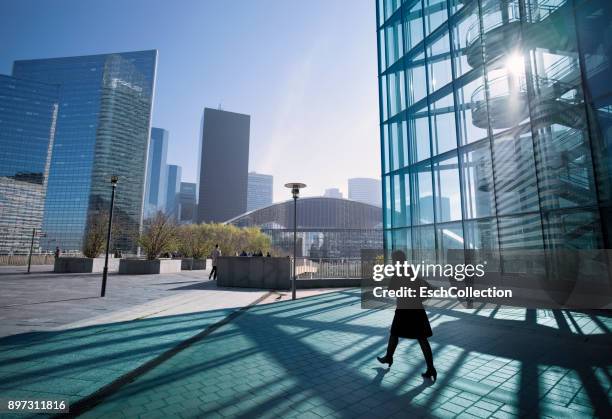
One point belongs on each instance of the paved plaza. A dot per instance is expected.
(199, 356)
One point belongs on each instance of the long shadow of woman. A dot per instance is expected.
(410, 321)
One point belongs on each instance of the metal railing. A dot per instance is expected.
(328, 268)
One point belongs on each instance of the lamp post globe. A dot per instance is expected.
(295, 193)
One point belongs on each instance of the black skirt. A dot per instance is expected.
(411, 323)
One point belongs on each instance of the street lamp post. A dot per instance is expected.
(114, 180)
(295, 191)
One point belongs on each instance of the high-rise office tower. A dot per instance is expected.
(157, 176)
(333, 193)
(224, 163)
(365, 190)
(260, 190)
(28, 115)
(495, 124)
(187, 202)
(103, 130)
(172, 190)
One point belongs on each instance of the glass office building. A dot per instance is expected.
(102, 130)
(157, 173)
(28, 115)
(260, 190)
(173, 190)
(496, 124)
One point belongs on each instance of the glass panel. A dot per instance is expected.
(413, 26)
(422, 195)
(438, 60)
(515, 178)
(418, 135)
(397, 90)
(435, 14)
(402, 240)
(573, 230)
(386, 151)
(394, 43)
(443, 130)
(478, 188)
(450, 237)
(384, 101)
(448, 196)
(482, 243)
(400, 216)
(466, 55)
(424, 244)
(388, 205)
(416, 79)
(473, 118)
(516, 235)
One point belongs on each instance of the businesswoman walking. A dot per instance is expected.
(410, 321)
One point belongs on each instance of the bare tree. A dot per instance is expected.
(160, 235)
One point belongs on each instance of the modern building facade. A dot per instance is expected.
(260, 191)
(28, 117)
(173, 190)
(187, 202)
(157, 176)
(224, 165)
(102, 130)
(326, 227)
(333, 193)
(495, 124)
(365, 190)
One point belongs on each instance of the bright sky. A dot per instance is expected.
(304, 70)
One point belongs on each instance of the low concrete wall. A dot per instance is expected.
(141, 266)
(254, 272)
(328, 283)
(84, 265)
(190, 264)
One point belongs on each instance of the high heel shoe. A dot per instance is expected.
(431, 374)
(385, 360)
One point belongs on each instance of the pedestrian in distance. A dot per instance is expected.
(216, 253)
(57, 253)
(410, 321)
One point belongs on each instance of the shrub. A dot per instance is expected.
(160, 235)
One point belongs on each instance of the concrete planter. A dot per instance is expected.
(84, 265)
(142, 267)
(254, 272)
(191, 264)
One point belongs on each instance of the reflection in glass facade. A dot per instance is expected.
(326, 227)
(102, 129)
(496, 124)
(157, 172)
(28, 115)
(173, 190)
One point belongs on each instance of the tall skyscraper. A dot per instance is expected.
(103, 130)
(224, 165)
(495, 124)
(187, 202)
(28, 115)
(333, 193)
(260, 190)
(365, 190)
(173, 189)
(157, 176)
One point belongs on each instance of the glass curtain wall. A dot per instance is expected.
(495, 125)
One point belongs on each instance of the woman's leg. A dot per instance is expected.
(427, 353)
(393, 341)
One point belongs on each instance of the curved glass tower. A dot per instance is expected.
(495, 124)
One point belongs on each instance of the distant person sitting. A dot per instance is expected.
(57, 253)
(216, 253)
(258, 254)
(268, 255)
(243, 254)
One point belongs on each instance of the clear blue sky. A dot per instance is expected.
(304, 70)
